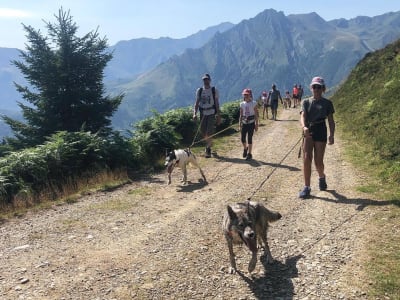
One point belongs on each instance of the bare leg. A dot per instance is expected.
(308, 147)
(319, 152)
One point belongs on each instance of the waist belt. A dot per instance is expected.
(248, 120)
(317, 122)
(207, 111)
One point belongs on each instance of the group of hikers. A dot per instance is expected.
(313, 113)
(270, 99)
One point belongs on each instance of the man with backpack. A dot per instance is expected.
(207, 102)
(274, 96)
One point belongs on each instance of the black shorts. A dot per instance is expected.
(319, 132)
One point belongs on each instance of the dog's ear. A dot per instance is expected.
(231, 213)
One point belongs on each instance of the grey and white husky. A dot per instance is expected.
(248, 223)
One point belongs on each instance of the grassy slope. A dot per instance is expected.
(368, 115)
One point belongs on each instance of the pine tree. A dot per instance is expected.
(66, 91)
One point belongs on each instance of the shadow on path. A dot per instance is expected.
(191, 187)
(360, 202)
(254, 162)
(276, 282)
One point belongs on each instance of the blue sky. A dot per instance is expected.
(127, 19)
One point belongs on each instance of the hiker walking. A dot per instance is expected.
(265, 102)
(207, 101)
(248, 122)
(287, 101)
(314, 111)
(295, 95)
(274, 96)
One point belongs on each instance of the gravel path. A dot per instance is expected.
(148, 240)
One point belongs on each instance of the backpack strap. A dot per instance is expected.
(212, 91)
(213, 94)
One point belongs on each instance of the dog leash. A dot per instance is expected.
(273, 170)
(203, 139)
(197, 132)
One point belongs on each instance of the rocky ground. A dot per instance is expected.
(150, 240)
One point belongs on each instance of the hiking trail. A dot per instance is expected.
(150, 240)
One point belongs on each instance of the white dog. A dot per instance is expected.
(181, 158)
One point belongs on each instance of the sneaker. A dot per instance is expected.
(245, 152)
(322, 184)
(208, 152)
(305, 193)
(249, 156)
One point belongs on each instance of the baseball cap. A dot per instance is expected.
(206, 76)
(246, 92)
(318, 80)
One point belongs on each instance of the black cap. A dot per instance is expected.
(206, 76)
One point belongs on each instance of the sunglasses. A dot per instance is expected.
(316, 87)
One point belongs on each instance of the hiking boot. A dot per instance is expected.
(305, 193)
(322, 184)
(208, 152)
(245, 152)
(249, 156)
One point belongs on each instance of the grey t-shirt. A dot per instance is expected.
(317, 110)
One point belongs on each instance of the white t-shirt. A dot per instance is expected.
(207, 102)
(248, 111)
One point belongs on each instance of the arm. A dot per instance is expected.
(240, 118)
(196, 105)
(331, 123)
(256, 116)
(303, 118)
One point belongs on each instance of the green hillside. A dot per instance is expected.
(368, 109)
(368, 115)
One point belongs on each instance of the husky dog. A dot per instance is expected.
(248, 223)
(181, 158)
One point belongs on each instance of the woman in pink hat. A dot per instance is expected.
(248, 122)
(314, 112)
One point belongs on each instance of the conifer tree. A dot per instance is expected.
(65, 76)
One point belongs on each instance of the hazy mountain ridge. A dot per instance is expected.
(269, 48)
(136, 56)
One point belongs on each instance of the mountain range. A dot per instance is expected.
(269, 48)
(162, 74)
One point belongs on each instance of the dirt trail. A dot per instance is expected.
(148, 240)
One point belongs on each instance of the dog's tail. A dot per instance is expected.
(269, 215)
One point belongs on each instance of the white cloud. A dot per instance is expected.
(12, 13)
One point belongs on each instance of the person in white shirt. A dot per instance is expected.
(248, 122)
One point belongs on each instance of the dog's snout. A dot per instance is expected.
(249, 233)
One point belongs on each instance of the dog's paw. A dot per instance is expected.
(231, 270)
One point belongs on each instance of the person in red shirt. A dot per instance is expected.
(295, 95)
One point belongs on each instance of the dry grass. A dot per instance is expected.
(69, 193)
